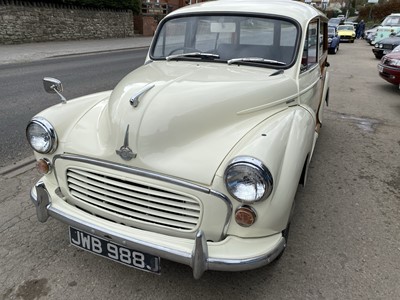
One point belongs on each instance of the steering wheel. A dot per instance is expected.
(185, 50)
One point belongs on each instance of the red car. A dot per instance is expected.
(389, 67)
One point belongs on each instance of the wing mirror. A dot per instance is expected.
(54, 86)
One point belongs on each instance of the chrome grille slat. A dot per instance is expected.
(104, 200)
(132, 203)
(103, 180)
(127, 214)
(189, 209)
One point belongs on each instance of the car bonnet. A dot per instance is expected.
(188, 118)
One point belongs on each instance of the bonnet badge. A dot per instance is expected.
(125, 152)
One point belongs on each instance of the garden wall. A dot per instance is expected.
(24, 22)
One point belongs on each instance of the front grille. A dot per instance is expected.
(132, 203)
(390, 47)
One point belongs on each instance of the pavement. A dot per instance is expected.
(37, 51)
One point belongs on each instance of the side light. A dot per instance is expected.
(43, 166)
(245, 216)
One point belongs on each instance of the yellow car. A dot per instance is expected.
(346, 33)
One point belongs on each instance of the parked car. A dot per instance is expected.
(370, 33)
(196, 156)
(354, 24)
(333, 40)
(386, 46)
(346, 33)
(389, 26)
(335, 22)
(389, 67)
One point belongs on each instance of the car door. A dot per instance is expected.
(313, 69)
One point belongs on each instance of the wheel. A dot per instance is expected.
(184, 50)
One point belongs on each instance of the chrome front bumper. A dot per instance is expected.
(199, 257)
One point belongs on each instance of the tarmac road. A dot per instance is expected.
(22, 94)
(344, 239)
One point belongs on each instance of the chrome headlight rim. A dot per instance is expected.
(48, 129)
(258, 167)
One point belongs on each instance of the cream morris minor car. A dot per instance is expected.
(196, 156)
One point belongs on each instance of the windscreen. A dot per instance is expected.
(228, 37)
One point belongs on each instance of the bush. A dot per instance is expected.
(375, 13)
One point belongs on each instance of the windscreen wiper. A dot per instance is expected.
(258, 60)
(193, 54)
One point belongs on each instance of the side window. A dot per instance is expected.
(321, 40)
(311, 46)
(323, 31)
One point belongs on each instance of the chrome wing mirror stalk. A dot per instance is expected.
(54, 86)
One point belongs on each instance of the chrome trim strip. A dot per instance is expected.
(151, 175)
(230, 210)
(286, 100)
(309, 87)
(388, 67)
(131, 170)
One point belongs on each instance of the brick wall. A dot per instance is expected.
(145, 25)
(38, 22)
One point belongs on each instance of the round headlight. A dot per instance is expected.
(248, 180)
(41, 135)
(381, 46)
(329, 40)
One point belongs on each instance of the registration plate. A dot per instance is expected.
(126, 256)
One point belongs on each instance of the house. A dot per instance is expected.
(153, 11)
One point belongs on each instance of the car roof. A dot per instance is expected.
(293, 9)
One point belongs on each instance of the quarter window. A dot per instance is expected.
(311, 46)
